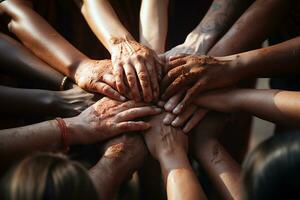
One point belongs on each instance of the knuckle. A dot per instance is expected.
(106, 89)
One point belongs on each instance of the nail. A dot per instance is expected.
(167, 120)
(178, 109)
(175, 122)
(161, 103)
(168, 107)
(122, 98)
(158, 110)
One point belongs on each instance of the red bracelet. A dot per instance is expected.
(64, 133)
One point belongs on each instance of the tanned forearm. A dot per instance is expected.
(223, 171)
(253, 27)
(272, 105)
(37, 35)
(154, 24)
(180, 180)
(220, 16)
(18, 60)
(104, 22)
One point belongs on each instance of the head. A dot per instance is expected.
(272, 170)
(47, 176)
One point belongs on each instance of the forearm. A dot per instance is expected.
(41, 38)
(277, 60)
(272, 105)
(24, 102)
(154, 24)
(269, 13)
(17, 142)
(220, 16)
(222, 170)
(104, 22)
(16, 59)
(180, 180)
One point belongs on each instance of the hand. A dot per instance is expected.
(68, 103)
(164, 140)
(126, 153)
(97, 76)
(133, 59)
(108, 118)
(198, 73)
(195, 44)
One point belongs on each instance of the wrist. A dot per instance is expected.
(76, 69)
(174, 160)
(73, 131)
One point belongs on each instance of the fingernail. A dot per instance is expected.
(178, 108)
(122, 98)
(167, 107)
(175, 122)
(167, 120)
(161, 103)
(158, 110)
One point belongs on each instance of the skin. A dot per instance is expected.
(132, 62)
(38, 36)
(169, 146)
(153, 24)
(105, 119)
(35, 102)
(122, 156)
(18, 60)
(222, 170)
(220, 16)
(269, 13)
(273, 105)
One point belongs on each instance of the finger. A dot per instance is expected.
(105, 89)
(143, 74)
(119, 78)
(169, 118)
(194, 121)
(181, 119)
(176, 62)
(161, 104)
(152, 68)
(134, 113)
(132, 126)
(110, 80)
(171, 58)
(191, 93)
(173, 101)
(172, 75)
(180, 82)
(132, 81)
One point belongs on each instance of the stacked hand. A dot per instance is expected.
(135, 66)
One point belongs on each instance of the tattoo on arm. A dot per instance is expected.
(220, 16)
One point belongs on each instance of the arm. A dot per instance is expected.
(35, 102)
(220, 16)
(135, 62)
(169, 146)
(270, 15)
(103, 120)
(222, 170)
(272, 105)
(37, 35)
(154, 24)
(15, 58)
(122, 157)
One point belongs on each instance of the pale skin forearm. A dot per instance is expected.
(246, 30)
(154, 24)
(223, 171)
(180, 180)
(104, 22)
(36, 34)
(18, 60)
(272, 105)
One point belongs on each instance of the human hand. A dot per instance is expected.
(198, 73)
(131, 58)
(108, 118)
(68, 103)
(195, 44)
(163, 140)
(97, 76)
